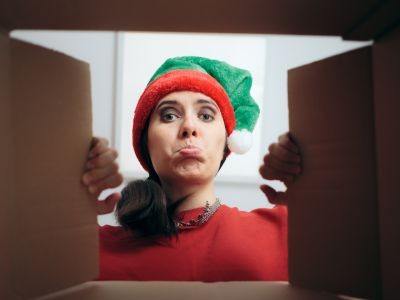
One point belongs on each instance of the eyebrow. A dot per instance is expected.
(174, 102)
(205, 101)
(170, 102)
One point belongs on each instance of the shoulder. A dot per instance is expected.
(266, 226)
(109, 232)
(276, 214)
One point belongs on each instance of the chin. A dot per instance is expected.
(192, 176)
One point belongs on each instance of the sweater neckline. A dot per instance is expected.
(193, 214)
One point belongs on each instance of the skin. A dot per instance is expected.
(282, 162)
(101, 173)
(186, 141)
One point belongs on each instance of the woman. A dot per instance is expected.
(192, 114)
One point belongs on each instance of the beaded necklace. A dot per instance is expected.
(202, 218)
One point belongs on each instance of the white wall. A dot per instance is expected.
(284, 52)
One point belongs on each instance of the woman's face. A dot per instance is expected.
(186, 138)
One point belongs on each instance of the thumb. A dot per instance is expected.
(274, 197)
(107, 205)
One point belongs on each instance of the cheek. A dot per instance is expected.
(217, 138)
(159, 144)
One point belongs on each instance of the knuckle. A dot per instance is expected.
(276, 163)
(266, 158)
(114, 167)
(114, 153)
(261, 169)
(103, 141)
(119, 178)
(271, 147)
(94, 163)
(114, 181)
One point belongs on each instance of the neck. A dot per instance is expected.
(187, 197)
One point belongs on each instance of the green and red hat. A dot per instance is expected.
(228, 86)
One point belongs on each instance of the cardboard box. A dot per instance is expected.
(48, 223)
(343, 112)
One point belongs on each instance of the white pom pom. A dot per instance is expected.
(240, 141)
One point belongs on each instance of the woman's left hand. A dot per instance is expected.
(283, 162)
(101, 173)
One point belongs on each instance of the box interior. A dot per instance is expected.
(46, 149)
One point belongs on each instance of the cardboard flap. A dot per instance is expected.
(6, 169)
(54, 227)
(377, 22)
(333, 224)
(387, 111)
(311, 17)
(189, 290)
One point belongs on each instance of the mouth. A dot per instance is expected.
(189, 151)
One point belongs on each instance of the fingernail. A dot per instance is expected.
(92, 189)
(86, 179)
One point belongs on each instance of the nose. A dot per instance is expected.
(188, 128)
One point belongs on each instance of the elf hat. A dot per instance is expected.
(228, 86)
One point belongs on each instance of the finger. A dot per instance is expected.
(107, 205)
(99, 145)
(94, 141)
(274, 197)
(97, 174)
(106, 183)
(103, 159)
(268, 172)
(283, 154)
(283, 167)
(286, 141)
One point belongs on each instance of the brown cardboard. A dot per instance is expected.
(188, 290)
(387, 113)
(312, 17)
(333, 216)
(52, 226)
(380, 20)
(6, 170)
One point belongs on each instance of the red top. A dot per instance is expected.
(233, 245)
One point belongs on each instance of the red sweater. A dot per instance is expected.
(232, 245)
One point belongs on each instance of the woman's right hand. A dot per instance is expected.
(102, 173)
(283, 162)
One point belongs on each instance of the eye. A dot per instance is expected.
(206, 115)
(169, 115)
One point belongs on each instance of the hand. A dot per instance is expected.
(101, 173)
(283, 162)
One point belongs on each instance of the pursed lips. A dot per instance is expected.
(189, 151)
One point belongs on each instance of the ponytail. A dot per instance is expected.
(143, 209)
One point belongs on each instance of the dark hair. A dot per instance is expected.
(143, 210)
(143, 207)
